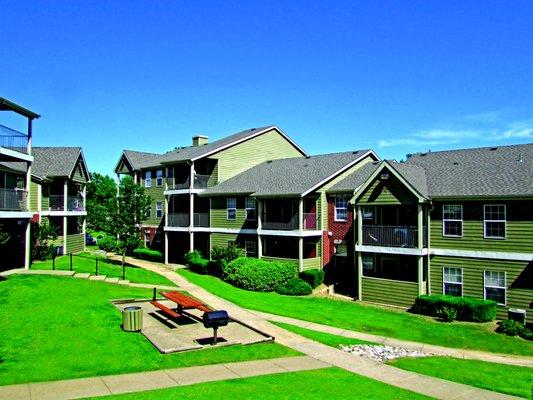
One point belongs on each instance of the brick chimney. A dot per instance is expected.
(200, 140)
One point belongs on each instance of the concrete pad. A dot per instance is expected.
(70, 389)
(137, 382)
(302, 363)
(192, 375)
(443, 351)
(254, 368)
(56, 272)
(97, 278)
(20, 392)
(325, 328)
(111, 280)
(82, 275)
(124, 282)
(12, 271)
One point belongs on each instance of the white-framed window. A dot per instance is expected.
(231, 208)
(368, 214)
(159, 177)
(494, 286)
(148, 179)
(369, 265)
(159, 209)
(452, 281)
(494, 217)
(147, 237)
(452, 220)
(250, 209)
(250, 249)
(341, 208)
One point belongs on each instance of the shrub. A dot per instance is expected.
(514, 328)
(148, 254)
(192, 255)
(295, 287)
(199, 265)
(313, 277)
(466, 308)
(108, 243)
(258, 275)
(220, 256)
(447, 314)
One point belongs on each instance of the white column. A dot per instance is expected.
(359, 254)
(84, 226)
(191, 208)
(27, 239)
(301, 253)
(420, 235)
(428, 244)
(259, 226)
(301, 214)
(65, 208)
(166, 247)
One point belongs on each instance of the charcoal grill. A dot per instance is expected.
(215, 319)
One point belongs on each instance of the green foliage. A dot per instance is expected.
(259, 275)
(514, 328)
(295, 287)
(4, 236)
(313, 277)
(196, 261)
(41, 237)
(148, 254)
(107, 243)
(132, 208)
(101, 202)
(466, 308)
(447, 314)
(221, 256)
(192, 255)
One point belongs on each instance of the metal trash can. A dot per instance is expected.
(517, 314)
(132, 319)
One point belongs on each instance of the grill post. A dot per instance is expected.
(71, 261)
(215, 337)
(96, 268)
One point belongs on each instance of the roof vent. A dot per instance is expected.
(355, 152)
(384, 176)
(455, 163)
(253, 129)
(269, 161)
(199, 140)
(520, 158)
(423, 154)
(493, 148)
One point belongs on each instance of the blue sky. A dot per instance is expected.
(396, 76)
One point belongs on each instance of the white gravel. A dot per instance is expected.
(381, 353)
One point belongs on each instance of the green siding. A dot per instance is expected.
(157, 193)
(75, 243)
(310, 263)
(519, 228)
(219, 219)
(387, 291)
(79, 174)
(267, 146)
(34, 196)
(518, 279)
(213, 178)
(387, 192)
(222, 239)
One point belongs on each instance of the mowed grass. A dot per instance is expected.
(60, 328)
(85, 262)
(509, 379)
(367, 318)
(307, 385)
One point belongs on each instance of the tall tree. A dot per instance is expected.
(101, 202)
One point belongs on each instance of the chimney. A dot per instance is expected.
(199, 140)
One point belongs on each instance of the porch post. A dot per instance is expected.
(420, 258)
(166, 247)
(359, 254)
(300, 214)
(65, 209)
(27, 247)
(165, 227)
(84, 226)
(428, 263)
(259, 226)
(300, 254)
(191, 207)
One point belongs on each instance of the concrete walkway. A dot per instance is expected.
(151, 380)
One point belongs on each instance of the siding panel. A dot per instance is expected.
(386, 291)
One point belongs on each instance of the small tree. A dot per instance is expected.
(101, 202)
(41, 235)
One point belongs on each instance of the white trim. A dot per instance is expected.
(335, 208)
(15, 154)
(161, 209)
(452, 220)
(48, 213)
(250, 137)
(340, 171)
(146, 180)
(228, 208)
(162, 177)
(504, 287)
(292, 233)
(453, 283)
(246, 208)
(182, 191)
(391, 250)
(84, 166)
(504, 220)
(16, 214)
(494, 255)
(233, 230)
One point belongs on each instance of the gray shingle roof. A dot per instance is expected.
(414, 174)
(54, 161)
(139, 159)
(486, 171)
(286, 177)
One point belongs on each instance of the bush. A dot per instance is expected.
(295, 287)
(313, 277)
(199, 265)
(148, 254)
(220, 256)
(514, 328)
(447, 314)
(191, 255)
(466, 308)
(258, 275)
(108, 243)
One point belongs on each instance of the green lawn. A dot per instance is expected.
(307, 385)
(81, 264)
(60, 328)
(367, 318)
(509, 379)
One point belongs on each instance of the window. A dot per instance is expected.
(231, 212)
(250, 209)
(368, 214)
(494, 285)
(148, 179)
(452, 281)
(452, 220)
(341, 208)
(159, 177)
(494, 221)
(158, 209)
(368, 265)
(250, 249)
(147, 237)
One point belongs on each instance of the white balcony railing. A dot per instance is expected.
(391, 236)
(57, 203)
(13, 199)
(200, 182)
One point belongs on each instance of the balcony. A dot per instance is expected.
(200, 182)
(13, 200)
(392, 236)
(181, 220)
(74, 203)
(310, 222)
(13, 140)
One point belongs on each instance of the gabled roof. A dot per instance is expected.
(293, 176)
(56, 162)
(139, 159)
(484, 171)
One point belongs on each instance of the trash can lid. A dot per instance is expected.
(517, 310)
(132, 308)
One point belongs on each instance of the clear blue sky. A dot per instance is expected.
(396, 76)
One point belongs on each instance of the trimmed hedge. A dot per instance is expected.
(514, 328)
(465, 308)
(196, 262)
(295, 287)
(148, 254)
(259, 275)
(220, 256)
(313, 277)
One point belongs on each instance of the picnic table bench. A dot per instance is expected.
(182, 301)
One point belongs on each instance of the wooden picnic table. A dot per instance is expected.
(185, 302)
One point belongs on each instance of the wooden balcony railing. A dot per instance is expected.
(392, 236)
(13, 200)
